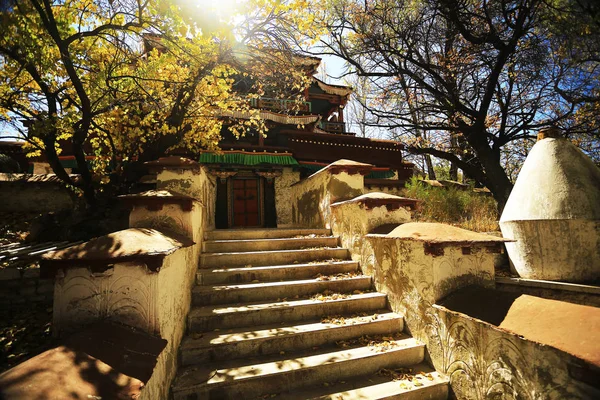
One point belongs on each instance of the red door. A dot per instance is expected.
(245, 203)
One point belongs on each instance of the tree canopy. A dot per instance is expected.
(112, 81)
(468, 81)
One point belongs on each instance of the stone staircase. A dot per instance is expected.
(284, 313)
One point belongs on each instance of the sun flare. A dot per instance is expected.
(224, 10)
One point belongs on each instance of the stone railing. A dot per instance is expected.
(313, 196)
(187, 177)
(490, 343)
(352, 219)
(442, 280)
(140, 277)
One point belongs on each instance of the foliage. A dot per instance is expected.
(126, 80)
(357, 113)
(25, 333)
(463, 208)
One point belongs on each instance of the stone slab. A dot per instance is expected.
(572, 328)
(431, 232)
(123, 244)
(106, 361)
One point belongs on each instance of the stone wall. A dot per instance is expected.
(351, 220)
(147, 291)
(18, 288)
(283, 204)
(312, 197)
(33, 193)
(486, 362)
(482, 360)
(196, 183)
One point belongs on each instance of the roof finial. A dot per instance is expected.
(549, 132)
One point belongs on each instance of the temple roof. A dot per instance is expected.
(333, 89)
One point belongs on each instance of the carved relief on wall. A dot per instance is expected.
(481, 361)
(169, 218)
(125, 296)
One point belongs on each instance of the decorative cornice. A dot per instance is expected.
(269, 174)
(348, 166)
(222, 174)
(390, 202)
(142, 245)
(155, 200)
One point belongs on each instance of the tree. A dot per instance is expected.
(76, 73)
(357, 112)
(460, 80)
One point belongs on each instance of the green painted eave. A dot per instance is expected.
(247, 159)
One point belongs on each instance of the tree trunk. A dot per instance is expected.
(495, 176)
(87, 184)
(430, 170)
(454, 149)
(52, 158)
(453, 172)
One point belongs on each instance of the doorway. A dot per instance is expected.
(246, 210)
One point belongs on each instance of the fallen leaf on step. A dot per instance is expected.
(255, 281)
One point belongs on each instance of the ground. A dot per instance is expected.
(24, 332)
(14, 227)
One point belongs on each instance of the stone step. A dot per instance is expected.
(420, 382)
(223, 317)
(252, 292)
(262, 258)
(273, 272)
(270, 339)
(268, 233)
(252, 377)
(241, 245)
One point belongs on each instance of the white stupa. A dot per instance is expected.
(553, 213)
